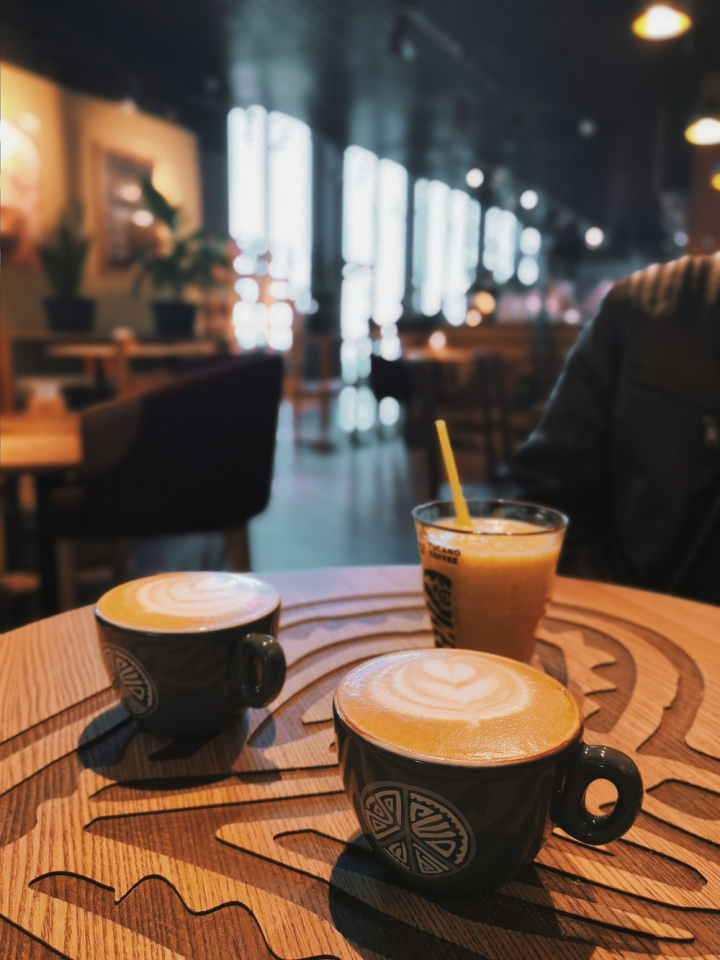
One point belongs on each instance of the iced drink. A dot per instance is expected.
(487, 588)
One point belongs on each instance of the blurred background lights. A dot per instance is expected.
(594, 237)
(530, 241)
(247, 289)
(473, 318)
(661, 21)
(529, 199)
(552, 305)
(246, 264)
(142, 218)
(484, 302)
(528, 271)
(715, 179)
(474, 178)
(571, 315)
(704, 132)
(680, 238)
(437, 340)
(130, 192)
(533, 304)
(388, 411)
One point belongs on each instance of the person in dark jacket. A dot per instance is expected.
(629, 444)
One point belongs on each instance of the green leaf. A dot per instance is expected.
(158, 205)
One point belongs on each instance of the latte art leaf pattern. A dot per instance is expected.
(188, 602)
(458, 689)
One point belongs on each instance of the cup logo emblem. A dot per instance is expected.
(131, 681)
(438, 593)
(418, 830)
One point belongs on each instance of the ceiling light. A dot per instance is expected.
(594, 237)
(529, 199)
(715, 178)
(704, 127)
(662, 21)
(475, 178)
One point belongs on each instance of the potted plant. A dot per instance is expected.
(63, 257)
(190, 260)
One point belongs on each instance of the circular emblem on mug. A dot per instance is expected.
(130, 679)
(419, 831)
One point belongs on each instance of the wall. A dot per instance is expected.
(72, 128)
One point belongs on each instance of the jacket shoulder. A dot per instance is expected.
(662, 289)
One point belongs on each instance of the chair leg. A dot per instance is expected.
(237, 548)
(66, 574)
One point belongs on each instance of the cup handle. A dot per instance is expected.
(259, 669)
(600, 763)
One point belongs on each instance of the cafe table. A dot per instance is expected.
(119, 844)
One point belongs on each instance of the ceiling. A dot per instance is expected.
(502, 84)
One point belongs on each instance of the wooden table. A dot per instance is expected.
(118, 844)
(114, 358)
(31, 444)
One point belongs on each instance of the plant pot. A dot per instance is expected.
(174, 318)
(70, 313)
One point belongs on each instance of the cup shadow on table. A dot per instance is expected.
(382, 931)
(105, 746)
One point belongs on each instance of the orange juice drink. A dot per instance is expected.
(486, 588)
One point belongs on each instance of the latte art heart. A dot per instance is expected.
(451, 690)
(458, 706)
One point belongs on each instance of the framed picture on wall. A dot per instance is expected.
(126, 226)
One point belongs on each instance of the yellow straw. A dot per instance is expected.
(461, 509)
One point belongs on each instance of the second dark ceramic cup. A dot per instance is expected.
(194, 684)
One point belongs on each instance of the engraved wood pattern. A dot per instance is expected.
(115, 843)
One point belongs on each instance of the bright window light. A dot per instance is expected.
(247, 149)
(359, 183)
(389, 287)
(499, 248)
(433, 282)
(270, 199)
(529, 199)
(290, 201)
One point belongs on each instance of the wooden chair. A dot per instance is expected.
(476, 409)
(193, 456)
(319, 389)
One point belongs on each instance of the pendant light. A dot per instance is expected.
(662, 21)
(704, 127)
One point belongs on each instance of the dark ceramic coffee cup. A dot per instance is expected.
(195, 679)
(462, 828)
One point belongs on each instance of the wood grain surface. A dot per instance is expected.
(117, 844)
